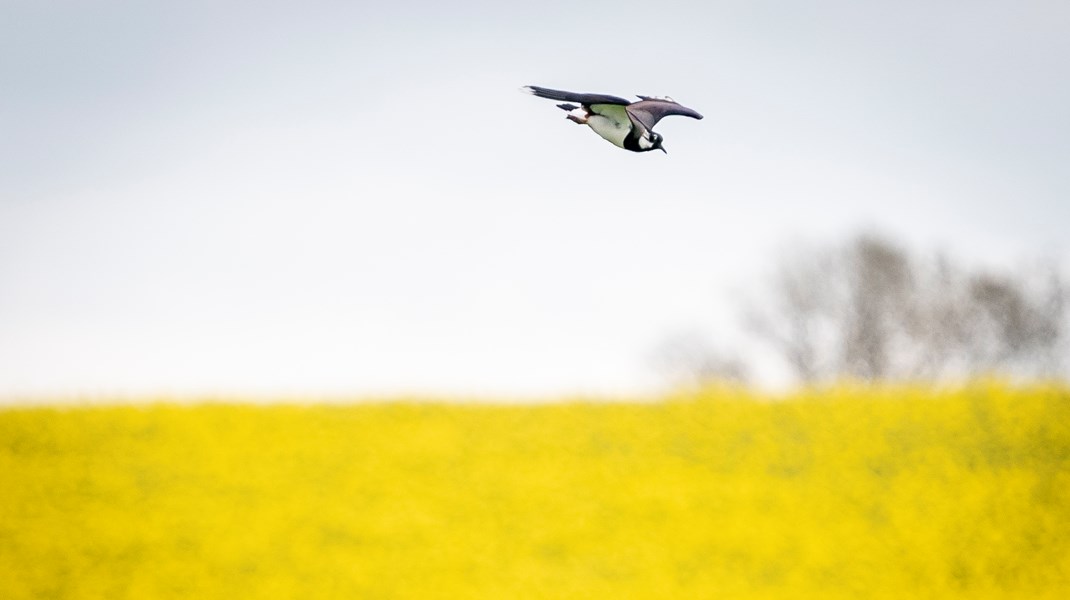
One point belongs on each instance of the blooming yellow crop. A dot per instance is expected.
(843, 493)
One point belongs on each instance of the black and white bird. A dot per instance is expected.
(626, 124)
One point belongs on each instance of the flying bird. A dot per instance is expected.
(625, 124)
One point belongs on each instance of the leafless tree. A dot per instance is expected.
(805, 326)
(1018, 322)
(692, 360)
(869, 310)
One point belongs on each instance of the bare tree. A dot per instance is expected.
(869, 310)
(880, 307)
(1018, 323)
(799, 318)
(692, 360)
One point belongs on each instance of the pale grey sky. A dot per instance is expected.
(340, 197)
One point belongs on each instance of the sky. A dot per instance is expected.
(352, 198)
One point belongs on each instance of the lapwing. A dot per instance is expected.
(626, 124)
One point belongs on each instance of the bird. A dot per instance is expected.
(624, 123)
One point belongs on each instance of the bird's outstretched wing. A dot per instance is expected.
(584, 99)
(646, 113)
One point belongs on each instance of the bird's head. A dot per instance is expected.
(655, 142)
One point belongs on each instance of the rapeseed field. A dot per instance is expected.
(892, 492)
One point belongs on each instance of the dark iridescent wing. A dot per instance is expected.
(647, 112)
(584, 99)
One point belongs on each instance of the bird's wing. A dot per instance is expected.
(646, 113)
(584, 99)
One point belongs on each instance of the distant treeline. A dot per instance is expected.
(870, 310)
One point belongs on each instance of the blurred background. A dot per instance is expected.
(339, 198)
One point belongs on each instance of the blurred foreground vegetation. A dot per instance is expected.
(845, 493)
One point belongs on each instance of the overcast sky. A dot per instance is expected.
(353, 197)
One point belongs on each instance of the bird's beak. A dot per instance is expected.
(662, 148)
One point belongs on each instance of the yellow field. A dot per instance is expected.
(898, 493)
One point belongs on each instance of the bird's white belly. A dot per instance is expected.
(610, 129)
